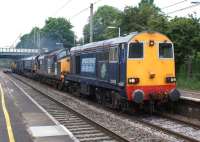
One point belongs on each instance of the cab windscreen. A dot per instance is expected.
(136, 50)
(165, 50)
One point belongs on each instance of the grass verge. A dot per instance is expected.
(188, 84)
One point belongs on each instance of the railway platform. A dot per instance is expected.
(23, 120)
(190, 95)
(189, 104)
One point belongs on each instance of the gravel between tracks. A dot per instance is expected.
(126, 127)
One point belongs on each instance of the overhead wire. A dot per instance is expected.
(83, 10)
(177, 3)
(63, 6)
(97, 1)
(75, 15)
(185, 8)
(14, 42)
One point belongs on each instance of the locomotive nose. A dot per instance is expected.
(174, 95)
(138, 96)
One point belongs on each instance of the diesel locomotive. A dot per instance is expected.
(137, 69)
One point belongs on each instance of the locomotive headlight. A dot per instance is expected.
(151, 43)
(133, 80)
(170, 79)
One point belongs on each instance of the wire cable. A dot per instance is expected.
(63, 6)
(97, 1)
(185, 8)
(83, 10)
(177, 3)
(75, 15)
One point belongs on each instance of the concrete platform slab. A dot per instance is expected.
(36, 118)
(190, 95)
(29, 120)
(47, 131)
(53, 139)
(17, 121)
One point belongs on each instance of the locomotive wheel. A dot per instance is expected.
(55, 85)
(99, 97)
(124, 105)
(115, 101)
(74, 89)
(60, 85)
(70, 90)
(171, 106)
(151, 107)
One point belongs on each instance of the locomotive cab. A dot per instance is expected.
(63, 63)
(150, 68)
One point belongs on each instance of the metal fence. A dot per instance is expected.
(19, 50)
(194, 72)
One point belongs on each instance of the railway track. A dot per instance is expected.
(176, 128)
(182, 119)
(83, 128)
(180, 129)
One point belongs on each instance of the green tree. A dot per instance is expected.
(105, 16)
(145, 16)
(29, 40)
(185, 34)
(55, 30)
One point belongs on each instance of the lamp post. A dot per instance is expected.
(119, 29)
(195, 2)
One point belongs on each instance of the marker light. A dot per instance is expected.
(170, 79)
(133, 80)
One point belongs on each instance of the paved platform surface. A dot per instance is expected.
(23, 120)
(190, 95)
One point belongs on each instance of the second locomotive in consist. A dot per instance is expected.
(135, 69)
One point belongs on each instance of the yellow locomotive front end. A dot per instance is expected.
(63, 66)
(151, 68)
(13, 66)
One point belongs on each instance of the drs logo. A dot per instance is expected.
(103, 71)
(88, 65)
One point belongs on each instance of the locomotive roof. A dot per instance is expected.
(28, 58)
(55, 52)
(51, 53)
(108, 42)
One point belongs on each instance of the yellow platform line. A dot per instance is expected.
(7, 117)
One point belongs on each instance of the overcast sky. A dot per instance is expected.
(20, 16)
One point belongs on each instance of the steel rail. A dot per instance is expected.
(95, 124)
(168, 131)
(169, 116)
